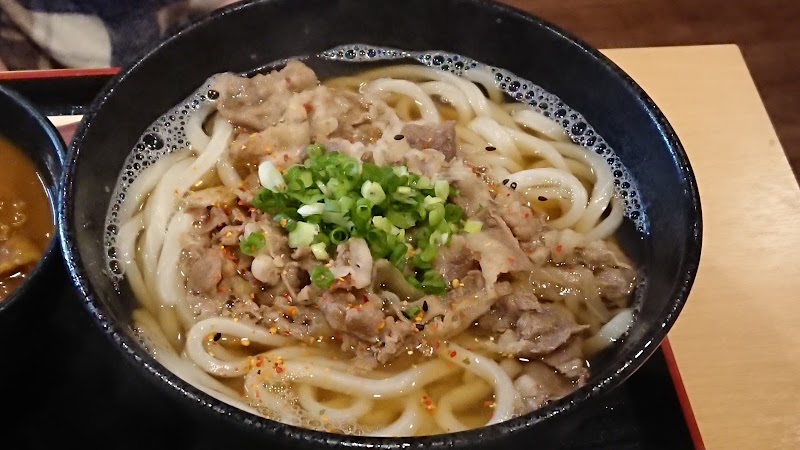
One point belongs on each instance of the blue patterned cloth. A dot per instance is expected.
(40, 34)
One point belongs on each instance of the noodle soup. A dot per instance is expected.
(398, 252)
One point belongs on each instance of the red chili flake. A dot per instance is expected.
(558, 249)
(436, 345)
(288, 80)
(308, 107)
(526, 214)
(259, 361)
(452, 354)
(365, 298)
(279, 370)
(286, 157)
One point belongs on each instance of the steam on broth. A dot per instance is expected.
(392, 253)
(26, 223)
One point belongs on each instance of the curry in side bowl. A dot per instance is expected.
(26, 222)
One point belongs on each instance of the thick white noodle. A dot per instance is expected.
(334, 380)
(197, 137)
(220, 138)
(538, 147)
(409, 421)
(562, 179)
(458, 399)
(427, 108)
(157, 212)
(539, 123)
(138, 191)
(507, 399)
(199, 333)
(126, 256)
(451, 95)
(609, 333)
(170, 284)
(495, 135)
(306, 396)
(610, 224)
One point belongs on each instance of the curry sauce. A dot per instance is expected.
(26, 221)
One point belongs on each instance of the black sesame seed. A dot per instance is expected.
(514, 185)
(490, 148)
(217, 337)
(425, 306)
(420, 326)
(542, 198)
(505, 181)
(398, 137)
(212, 94)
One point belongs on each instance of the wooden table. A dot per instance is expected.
(737, 342)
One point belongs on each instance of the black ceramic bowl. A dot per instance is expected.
(31, 132)
(250, 35)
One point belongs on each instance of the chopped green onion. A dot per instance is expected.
(472, 226)
(411, 312)
(314, 151)
(319, 251)
(269, 176)
(442, 189)
(303, 235)
(437, 214)
(322, 277)
(373, 192)
(252, 243)
(339, 235)
(312, 209)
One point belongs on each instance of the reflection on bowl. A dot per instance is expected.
(32, 151)
(667, 251)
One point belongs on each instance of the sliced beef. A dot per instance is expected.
(206, 272)
(260, 101)
(473, 195)
(507, 311)
(455, 260)
(467, 302)
(216, 196)
(539, 384)
(540, 331)
(616, 284)
(499, 251)
(353, 264)
(525, 224)
(569, 360)
(441, 137)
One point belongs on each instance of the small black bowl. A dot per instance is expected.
(39, 140)
(249, 35)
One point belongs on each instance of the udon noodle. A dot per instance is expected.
(399, 252)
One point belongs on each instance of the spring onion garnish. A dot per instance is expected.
(269, 176)
(403, 217)
(322, 277)
(411, 312)
(252, 243)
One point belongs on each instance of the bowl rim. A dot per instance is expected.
(168, 381)
(58, 147)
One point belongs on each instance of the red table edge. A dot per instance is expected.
(669, 356)
(56, 73)
(683, 397)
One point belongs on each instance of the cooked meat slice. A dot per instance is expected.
(615, 283)
(507, 311)
(455, 260)
(353, 265)
(525, 224)
(260, 101)
(214, 196)
(441, 137)
(569, 360)
(539, 384)
(540, 331)
(206, 272)
(499, 251)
